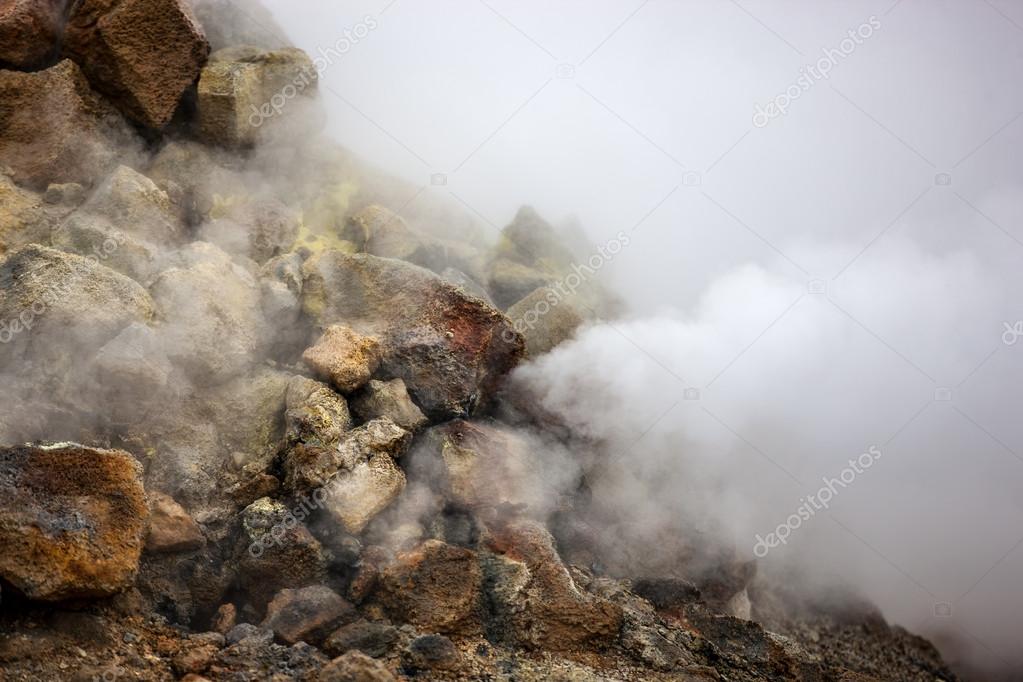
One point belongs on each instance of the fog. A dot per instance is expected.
(841, 275)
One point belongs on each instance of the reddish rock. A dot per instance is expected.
(54, 128)
(72, 520)
(436, 587)
(536, 601)
(143, 54)
(28, 31)
(307, 614)
(343, 357)
(171, 529)
(450, 348)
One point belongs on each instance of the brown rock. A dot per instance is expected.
(435, 587)
(29, 31)
(143, 54)
(389, 399)
(22, 216)
(357, 496)
(344, 357)
(451, 349)
(72, 520)
(536, 599)
(545, 318)
(54, 128)
(372, 639)
(225, 618)
(307, 614)
(355, 666)
(431, 652)
(171, 529)
(313, 464)
(315, 415)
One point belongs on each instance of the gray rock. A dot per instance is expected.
(545, 318)
(388, 399)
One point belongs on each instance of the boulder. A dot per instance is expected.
(532, 241)
(307, 614)
(87, 235)
(72, 520)
(214, 325)
(545, 318)
(315, 415)
(430, 652)
(450, 349)
(535, 599)
(143, 54)
(313, 464)
(509, 281)
(202, 183)
(245, 91)
(29, 30)
(171, 529)
(372, 639)
(54, 128)
(355, 666)
(355, 497)
(133, 203)
(466, 284)
(258, 229)
(65, 193)
(23, 218)
(343, 357)
(388, 399)
(277, 551)
(435, 587)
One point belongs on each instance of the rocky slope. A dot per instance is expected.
(255, 425)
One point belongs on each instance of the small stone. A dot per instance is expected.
(225, 618)
(388, 399)
(355, 666)
(372, 639)
(307, 614)
(431, 652)
(343, 357)
(171, 529)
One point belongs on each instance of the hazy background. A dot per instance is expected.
(637, 116)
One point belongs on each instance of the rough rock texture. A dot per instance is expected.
(431, 652)
(509, 282)
(355, 667)
(388, 399)
(343, 357)
(23, 218)
(537, 601)
(450, 349)
(29, 31)
(316, 415)
(54, 128)
(372, 639)
(143, 54)
(260, 229)
(171, 529)
(243, 91)
(307, 614)
(436, 587)
(134, 204)
(72, 520)
(545, 318)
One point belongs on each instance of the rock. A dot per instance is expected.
(450, 349)
(225, 618)
(201, 182)
(466, 284)
(72, 520)
(243, 88)
(388, 399)
(92, 235)
(483, 465)
(545, 318)
(214, 326)
(67, 193)
(23, 219)
(28, 31)
(171, 529)
(670, 595)
(435, 587)
(315, 415)
(259, 229)
(355, 667)
(55, 128)
(510, 282)
(372, 639)
(195, 659)
(431, 652)
(250, 634)
(531, 240)
(344, 357)
(536, 602)
(133, 203)
(143, 54)
(312, 465)
(306, 614)
(277, 551)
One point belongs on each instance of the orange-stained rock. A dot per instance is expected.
(343, 357)
(436, 587)
(72, 520)
(171, 529)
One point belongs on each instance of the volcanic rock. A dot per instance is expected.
(509, 282)
(133, 203)
(243, 88)
(430, 652)
(450, 349)
(388, 399)
(545, 318)
(22, 216)
(313, 464)
(436, 587)
(28, 31)
(372, 639)
(171, 529)
(537, 603)
(143, 54)
(306, 614)
(355, 666)
(466, 284)
(277, 551)
(344, 357)
(88, 235)
(315, 415)
(259, 229)
(54, 128)
(72, 520)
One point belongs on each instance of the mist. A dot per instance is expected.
(818, 263)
